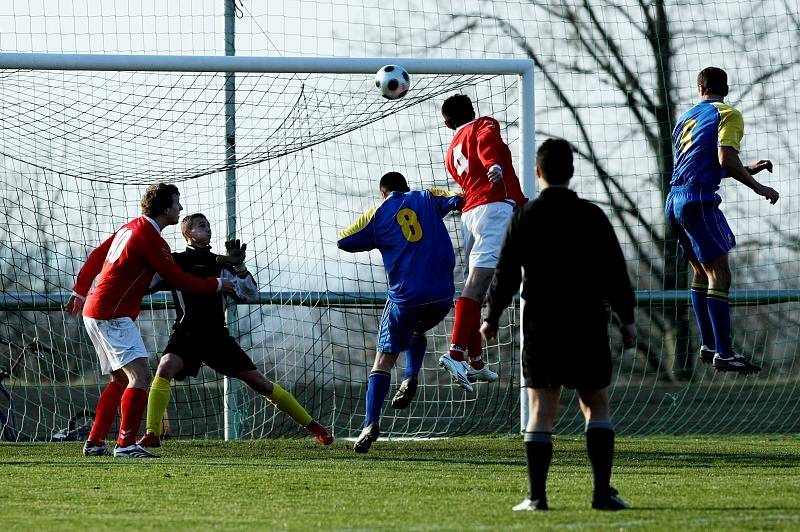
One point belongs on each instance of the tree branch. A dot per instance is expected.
(631, 79)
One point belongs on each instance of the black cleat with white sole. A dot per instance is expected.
(365, 439)
(609, 501)
(707, 355)
(92, 449)
(405, 394)
(736, 363)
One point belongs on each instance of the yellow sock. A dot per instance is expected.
(285, 402)
(157, 403)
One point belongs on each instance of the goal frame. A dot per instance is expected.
(523, 68)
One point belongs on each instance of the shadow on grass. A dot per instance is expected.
(695, 459)
(472, 452)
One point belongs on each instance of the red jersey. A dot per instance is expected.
(477, 146)
(125, 263)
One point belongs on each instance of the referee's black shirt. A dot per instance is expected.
(565, 252)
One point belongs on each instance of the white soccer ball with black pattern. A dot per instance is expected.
(393, 81)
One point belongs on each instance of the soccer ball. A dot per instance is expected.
(393, 81)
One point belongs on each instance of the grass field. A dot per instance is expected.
(467, 483)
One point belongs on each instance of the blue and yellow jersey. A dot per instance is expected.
(697, 136)
(417, 252)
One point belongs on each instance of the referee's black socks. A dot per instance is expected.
(538, 454)
(600, 447)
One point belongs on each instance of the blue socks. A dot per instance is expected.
(699, 294)
(377, 388)
(414, 355)
(720, 316)
(712, 310)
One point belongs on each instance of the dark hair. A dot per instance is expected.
(714, 80)
(554, 159)
(188, 222)
(394, 182)
(158, 198)
(458, 109)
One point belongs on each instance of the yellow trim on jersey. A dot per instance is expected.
(360, 224)
(685, 140)
(731, 126)
(442, 192)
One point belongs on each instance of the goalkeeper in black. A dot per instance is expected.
(199, 335)
(565, 252)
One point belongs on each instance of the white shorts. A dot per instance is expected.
(484, 229)
(118, 342)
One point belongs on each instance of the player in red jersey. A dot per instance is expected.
(479, 160)
(123, 267)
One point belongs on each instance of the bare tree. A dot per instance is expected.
(591, 49)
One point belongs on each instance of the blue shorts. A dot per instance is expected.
(399, 323)
(700, 227)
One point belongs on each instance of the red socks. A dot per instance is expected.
(134, 401)
(475, 349)
(106, 412)
(466, 332)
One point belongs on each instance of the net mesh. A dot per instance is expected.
(309, 153)
(611, 77)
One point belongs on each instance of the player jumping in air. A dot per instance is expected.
(479, 160)
(124, 266)
(200, 336)
(706, 140)
(408, 230)
(565, 324)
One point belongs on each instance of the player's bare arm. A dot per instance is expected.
(729, 159)
(489, 330)
(495, 173)
(74, 305)
(755, 168)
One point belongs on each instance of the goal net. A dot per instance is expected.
(77, 150)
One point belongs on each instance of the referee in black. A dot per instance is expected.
(564, 250)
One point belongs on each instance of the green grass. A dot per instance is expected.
(468, 483)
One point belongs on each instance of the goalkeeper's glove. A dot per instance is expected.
(234, 254)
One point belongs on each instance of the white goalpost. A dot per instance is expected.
(296, 145)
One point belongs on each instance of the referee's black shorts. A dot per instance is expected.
(216, 349)
(577, 358)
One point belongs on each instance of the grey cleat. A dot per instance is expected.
(458, 370)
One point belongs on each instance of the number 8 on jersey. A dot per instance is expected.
(409, 224)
